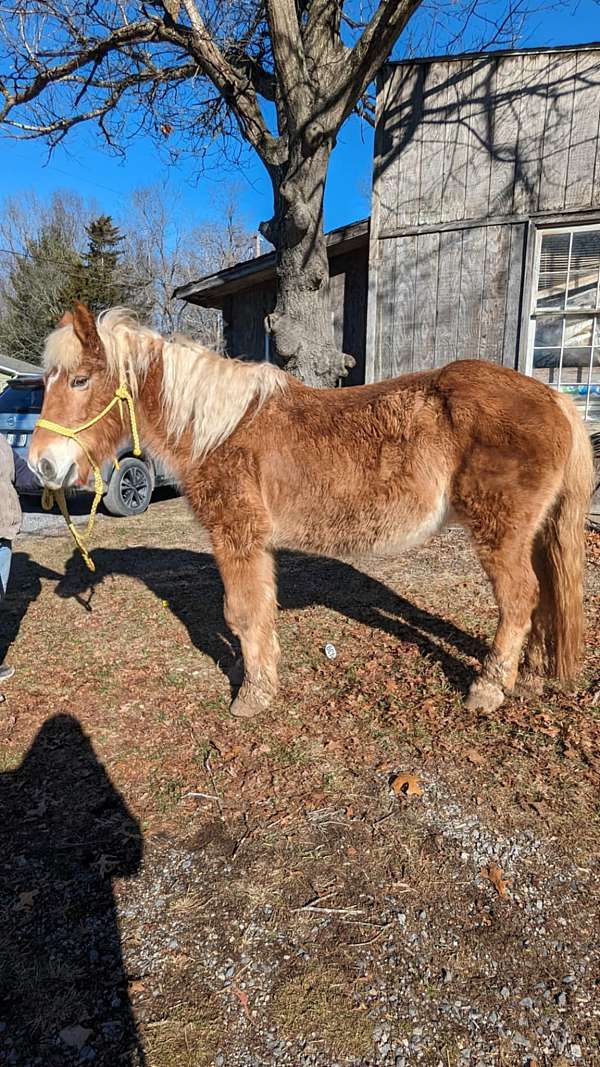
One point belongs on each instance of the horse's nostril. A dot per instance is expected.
(47, 469)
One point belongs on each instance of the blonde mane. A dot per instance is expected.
(201, 390)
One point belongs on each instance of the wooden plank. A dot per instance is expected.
(493, 304)
(470, 292)
(530, 136)
(531, 236)
(596, 185)
(504, 134)
(424, 315)
(386, 303)
(385, 162)
(446, 335)
(406, 133)
(557, 131)
(514, 292)
(396, 308)
(584, 131)
(479, 161)
(375, 247)
(435, 94)
(404, 306)
(246, 334)
(456, 141)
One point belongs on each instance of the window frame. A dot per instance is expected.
(541, 231)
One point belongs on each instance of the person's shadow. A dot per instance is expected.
(24, 587)
(65, 833)
(189, 582)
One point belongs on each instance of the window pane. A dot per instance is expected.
(555, 252)
(546, 357)
(548, 331)
(552, 290)
(583, 289)
(585, 253)
(545, 365)
(578, 332)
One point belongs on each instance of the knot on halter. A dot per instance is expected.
(50, 496)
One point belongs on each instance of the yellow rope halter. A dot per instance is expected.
(49, 496)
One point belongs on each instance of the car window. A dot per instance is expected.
(21, 401)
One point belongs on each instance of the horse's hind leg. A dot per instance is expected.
(250, 607)
(508, 566)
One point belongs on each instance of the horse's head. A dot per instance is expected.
(78, 386)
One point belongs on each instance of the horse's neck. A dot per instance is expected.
(151, 416)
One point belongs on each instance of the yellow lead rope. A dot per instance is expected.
(49, 496)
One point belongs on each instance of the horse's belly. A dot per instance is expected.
(405, 530)
(386, 528)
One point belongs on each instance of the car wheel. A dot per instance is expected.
(130, 488)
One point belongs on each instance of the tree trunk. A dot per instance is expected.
(301, 326)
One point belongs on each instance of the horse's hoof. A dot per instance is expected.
(484, 696)
(250, 702)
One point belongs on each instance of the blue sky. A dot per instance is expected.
(84, 166)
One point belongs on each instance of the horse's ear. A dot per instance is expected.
(84, 325)
(67, 320)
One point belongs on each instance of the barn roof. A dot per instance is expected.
(546, 49)
(212, 289)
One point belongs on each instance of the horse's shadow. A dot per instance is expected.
(189, 582)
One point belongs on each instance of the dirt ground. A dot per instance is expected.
(179, 888)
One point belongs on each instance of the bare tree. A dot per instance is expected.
(281, 76)
(163, 252)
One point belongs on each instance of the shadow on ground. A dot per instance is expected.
(190, 582)
(66, 833)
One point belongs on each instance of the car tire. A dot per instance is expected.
(130, 488)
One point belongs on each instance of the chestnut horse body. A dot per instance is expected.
(268, 463)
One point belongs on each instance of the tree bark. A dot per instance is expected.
(301, 325)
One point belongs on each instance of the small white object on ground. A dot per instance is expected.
(330, 651)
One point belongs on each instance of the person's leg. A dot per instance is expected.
(5, 562)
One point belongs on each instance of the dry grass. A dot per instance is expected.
(280, 809)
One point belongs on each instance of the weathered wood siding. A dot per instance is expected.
(466, 152)
(449, 295)
(244, 313)
(244, 321)
(488, 136)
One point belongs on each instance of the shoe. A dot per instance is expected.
(6, 673)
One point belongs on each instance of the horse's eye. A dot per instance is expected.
(79, 383)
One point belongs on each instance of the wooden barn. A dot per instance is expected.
(484, 238)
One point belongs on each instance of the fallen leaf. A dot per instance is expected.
(350, 812)
(243, 999)
(136, 986)
(494, 873)
(408, 784)
(474, 757)
(25, 901)
(75, 1036)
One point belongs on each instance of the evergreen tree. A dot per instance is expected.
(103, 282)
(42, 281)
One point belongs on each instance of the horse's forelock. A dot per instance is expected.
(62, 350)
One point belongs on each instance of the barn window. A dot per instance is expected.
(564, 339)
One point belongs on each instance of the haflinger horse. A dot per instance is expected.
(269, 463)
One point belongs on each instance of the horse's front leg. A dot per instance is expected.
(250, 609)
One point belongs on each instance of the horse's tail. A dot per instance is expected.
(559, 556)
